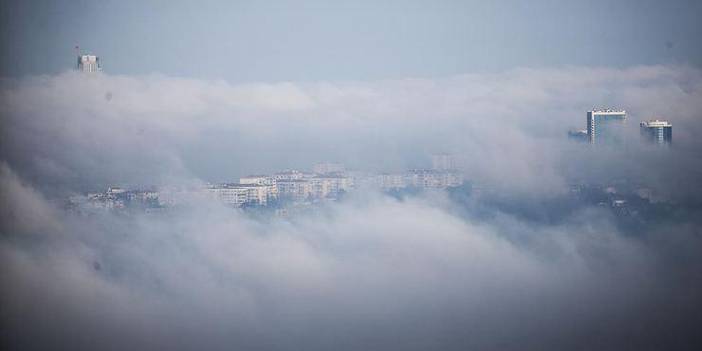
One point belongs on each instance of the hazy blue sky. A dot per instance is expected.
(352, 40)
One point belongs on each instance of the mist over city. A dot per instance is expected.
(368, 176)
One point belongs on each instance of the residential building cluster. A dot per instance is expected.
(327, 182)
(443, 174)
(421, 178)
(116, 198)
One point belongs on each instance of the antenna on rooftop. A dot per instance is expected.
(77, 56)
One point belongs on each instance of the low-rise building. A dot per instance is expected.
(392, 181)
(429, 178)
(238, 195)
(329, 185)
(289, 174)
(262, 180)
(294, 189)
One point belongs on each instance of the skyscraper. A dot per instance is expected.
(605, 126)
(657, 131)
(88, 63)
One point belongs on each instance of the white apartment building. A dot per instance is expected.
(392, 181)
(238, 195)
(606, 126)
(290, 174)
(323, 186)
(295, 189)
(88, 63)
(229, 195)
(262, 180)
(428, 178)
(421, 178)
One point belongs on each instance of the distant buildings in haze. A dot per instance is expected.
(578, 135)
(605, 126)
(88, 63)
(443, 162)
(328, 182)
(608, 127)
(657, 131)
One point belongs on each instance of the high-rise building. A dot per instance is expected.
(443, 162)
(657, 131)
(605, 126)
(88, 63)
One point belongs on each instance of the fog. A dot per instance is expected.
(434, 270)
(120, 129)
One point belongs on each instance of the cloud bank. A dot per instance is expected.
(372, 272)
(102, 129)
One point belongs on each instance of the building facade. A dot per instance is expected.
(657, 132)
(323, 186)
(606, 126)
(294, 189)
(443, 162)
(238, 195)
(88, 63)
(262, 180)
(429, 178)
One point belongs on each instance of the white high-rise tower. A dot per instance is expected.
(87, 63)
(605, 126)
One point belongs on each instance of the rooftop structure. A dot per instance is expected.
(655, 123)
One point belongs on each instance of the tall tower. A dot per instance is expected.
(87, 63)
(605, 126)
(657, 132)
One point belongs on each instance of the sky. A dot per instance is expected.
(193, 93)
(252, 41)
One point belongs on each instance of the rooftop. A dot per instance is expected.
(608, 111)
(655, 123)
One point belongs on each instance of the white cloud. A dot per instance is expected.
(371, 272)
